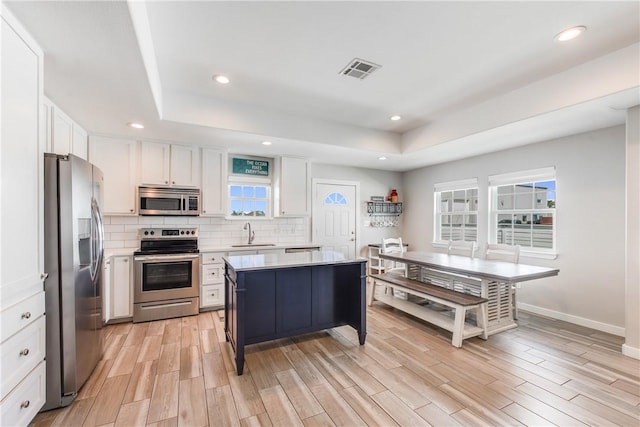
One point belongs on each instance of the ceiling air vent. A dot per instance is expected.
(359, 68)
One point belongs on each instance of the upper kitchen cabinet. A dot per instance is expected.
(80, 142)
(63, 135)
(169, 164)
(22, 298)
(117, 160)
(292, 187)
(214, 173)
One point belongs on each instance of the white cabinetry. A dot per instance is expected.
(63, 135)
(214, 174)
(212, 280)
(116, 158)
(292, 189)
(61, 132)
(118, 292)
(21, 225)
(169, 164)
(79, 142)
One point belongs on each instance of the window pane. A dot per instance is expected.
(236, 207)
(505, 220)
(524, 196)
(445, 201)
(471, 220)
(261, 192)
(472, 196)
(459, 201)
(235, 191)
(261, 208)
(247, 191)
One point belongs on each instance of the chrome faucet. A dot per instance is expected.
(252, 234)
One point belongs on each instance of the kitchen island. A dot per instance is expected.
(270, 296)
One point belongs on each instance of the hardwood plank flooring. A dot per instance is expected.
(180, 372)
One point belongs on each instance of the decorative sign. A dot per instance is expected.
(250, 167)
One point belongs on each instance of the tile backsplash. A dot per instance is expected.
(123, 231)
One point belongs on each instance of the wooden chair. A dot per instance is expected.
(501, 252)
(460, 247)
(389, 246)
(392, 246)
(508, 253)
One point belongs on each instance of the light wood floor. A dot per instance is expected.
(179, 372)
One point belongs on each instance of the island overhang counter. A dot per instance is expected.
(270, 296)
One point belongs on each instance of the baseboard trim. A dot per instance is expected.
(631, 351)
(589, 323)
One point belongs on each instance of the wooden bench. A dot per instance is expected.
(458, 301)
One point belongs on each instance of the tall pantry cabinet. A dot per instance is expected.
(22, 320)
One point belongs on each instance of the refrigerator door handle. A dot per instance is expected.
(98, 242)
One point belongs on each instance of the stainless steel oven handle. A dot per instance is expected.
(164, 257)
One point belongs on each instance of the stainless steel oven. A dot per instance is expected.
(166, 274)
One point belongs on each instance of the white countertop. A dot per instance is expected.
(298, 259)
(256, 246)
(108, 253)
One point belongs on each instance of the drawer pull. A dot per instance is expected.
(26, 315)
(25, 404)
(213, 273)
(24, 352)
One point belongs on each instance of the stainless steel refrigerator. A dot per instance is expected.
(73, 239)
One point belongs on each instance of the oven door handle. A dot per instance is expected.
(165, 257)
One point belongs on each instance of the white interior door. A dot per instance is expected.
(334, 217)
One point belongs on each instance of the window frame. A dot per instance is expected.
(235, 180)
(452, 186)
(516, 179)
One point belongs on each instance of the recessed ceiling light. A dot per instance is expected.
(382, 158)
(135, 125)
(570, 33)
(222, 79)
(266, 142)
(395, 118)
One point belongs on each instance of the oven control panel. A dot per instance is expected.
(168, 233)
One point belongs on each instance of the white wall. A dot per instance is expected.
(631, 346)
(590, 167)
(372, 183)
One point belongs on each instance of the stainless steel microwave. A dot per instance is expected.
(169, 201)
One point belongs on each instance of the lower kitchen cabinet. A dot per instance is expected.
(118, 288)
(212, 280)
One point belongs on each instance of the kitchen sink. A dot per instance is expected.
(251, 245)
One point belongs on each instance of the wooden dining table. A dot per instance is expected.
(494, 280)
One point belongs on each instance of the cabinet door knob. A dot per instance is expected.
(173, 182)
(24, 352)
(126, 260)
(166, 182)
(131, 210)
(25, 404)
(26, 315)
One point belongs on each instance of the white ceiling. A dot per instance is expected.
(467, 77)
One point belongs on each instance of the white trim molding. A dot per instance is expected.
(631, 351)
(582, 321)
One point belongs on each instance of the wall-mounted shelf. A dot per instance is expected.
(384, 208)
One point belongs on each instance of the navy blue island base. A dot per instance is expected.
(283, 295)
